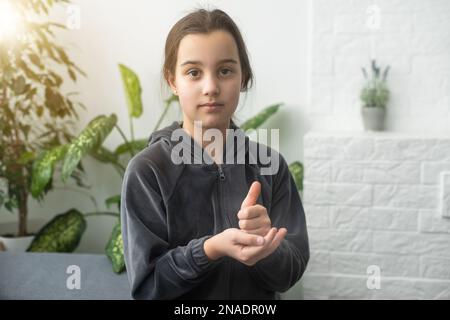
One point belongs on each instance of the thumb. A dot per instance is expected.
(252, 196)
(247, 239)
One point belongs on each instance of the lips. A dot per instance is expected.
(212, 104)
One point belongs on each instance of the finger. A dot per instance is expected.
(275, 236)
(268, 238)
(249, 224)
(279, 236)
(252, 196)
(247, 239)
(249, 212)
(260, 231)
(250, 250)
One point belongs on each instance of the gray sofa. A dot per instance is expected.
(37, 276)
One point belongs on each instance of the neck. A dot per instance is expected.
(197, 134)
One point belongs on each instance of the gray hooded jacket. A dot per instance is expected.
(168, 210)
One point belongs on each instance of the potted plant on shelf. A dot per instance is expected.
(35, 114)
(374, 96)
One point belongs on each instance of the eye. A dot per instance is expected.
(193, 73)
(227, 71)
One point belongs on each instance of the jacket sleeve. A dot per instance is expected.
(154, 270)
(284, 267)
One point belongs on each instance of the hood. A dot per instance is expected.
(237, 148)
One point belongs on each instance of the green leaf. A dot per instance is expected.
(72, 74)
(30, 94)
(113, 200)
(114, 249)
(365, 73)
(90, 138)
(43, 168)
(256, 121)
(28, 72)
(63, 56)
(34, 58)
(296, 169)
(26, 157)
(57, 79)
(62, 234)
(54, 101)
(11, 204)
(131, 146)
(39, 111)
(19, 85)
(79, 70)
(385, 73)
(133, 91)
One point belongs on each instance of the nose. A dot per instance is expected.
(211, 86)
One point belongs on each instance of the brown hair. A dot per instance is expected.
(204, 21)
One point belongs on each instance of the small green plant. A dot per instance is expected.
(375, 93)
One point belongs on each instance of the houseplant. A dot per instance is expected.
(35, 114)
(374, 96)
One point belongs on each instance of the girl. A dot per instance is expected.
(203, 227)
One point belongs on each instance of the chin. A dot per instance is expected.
(213, 121)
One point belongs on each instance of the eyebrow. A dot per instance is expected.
(200, 63)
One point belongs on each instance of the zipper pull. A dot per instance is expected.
(221, 173)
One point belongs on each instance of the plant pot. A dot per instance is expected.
(373, 118)
(18, 244)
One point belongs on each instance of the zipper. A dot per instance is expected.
(221, 173)
(221, 176)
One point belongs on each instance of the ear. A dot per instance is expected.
(172, 85)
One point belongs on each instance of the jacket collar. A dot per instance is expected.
(235, 151)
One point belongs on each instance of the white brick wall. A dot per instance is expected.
(413, 38)
(375, 199)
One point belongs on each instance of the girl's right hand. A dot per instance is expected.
(242, 246)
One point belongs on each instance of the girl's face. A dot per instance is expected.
(208, 70)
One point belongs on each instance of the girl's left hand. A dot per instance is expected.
(253, 218)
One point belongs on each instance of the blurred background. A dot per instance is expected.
(365, 93)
